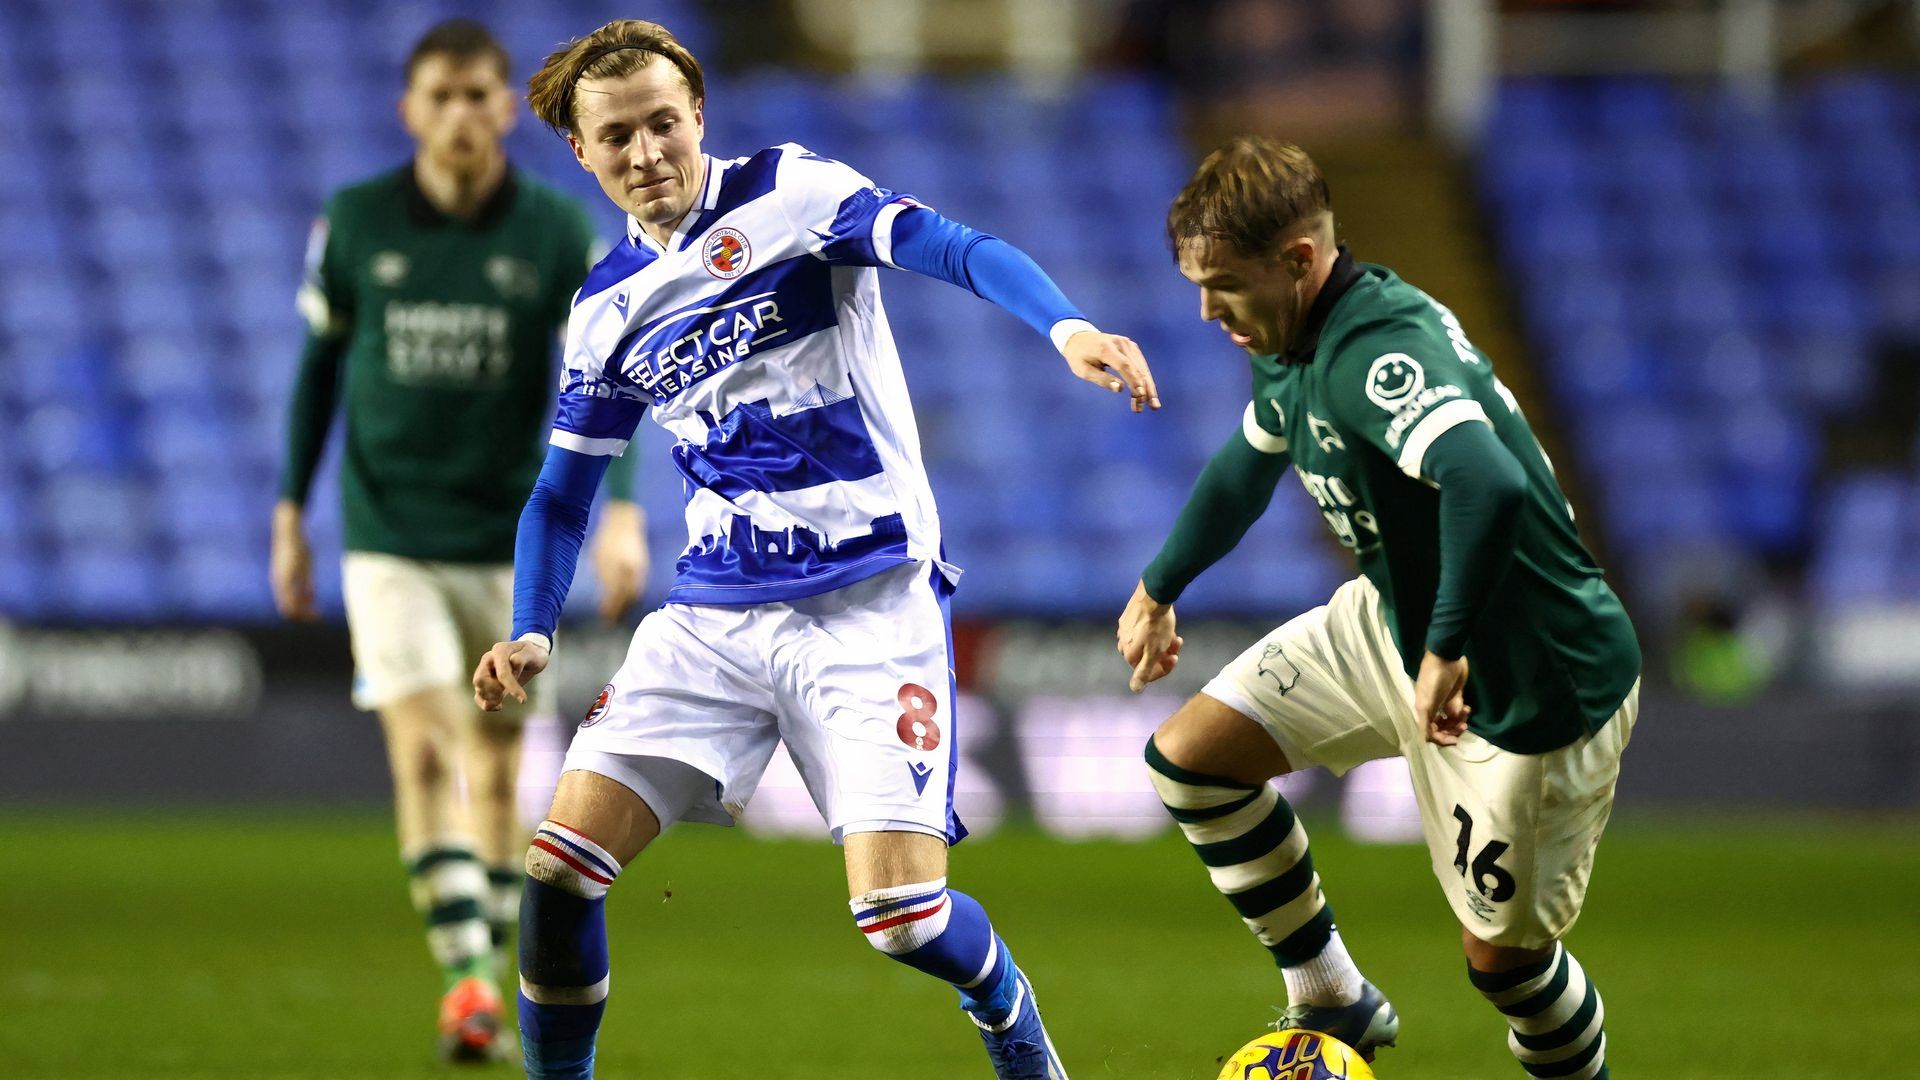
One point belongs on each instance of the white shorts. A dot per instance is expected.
(1511, 836)
(418, 625)
(857, 681)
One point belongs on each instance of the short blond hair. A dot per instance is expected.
(619, 48)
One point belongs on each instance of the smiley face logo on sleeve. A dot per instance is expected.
(1393, 380)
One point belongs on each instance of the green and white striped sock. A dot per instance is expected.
(1555, 1016)
(1256, 852)
(449, 889)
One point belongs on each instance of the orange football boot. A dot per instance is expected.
(471, 1027)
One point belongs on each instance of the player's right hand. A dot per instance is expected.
(505, 672)
(290, 566)
(1114, 362)
(1146, 639)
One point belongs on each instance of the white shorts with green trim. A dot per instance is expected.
(1512, 836)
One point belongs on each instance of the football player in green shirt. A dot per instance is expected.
(1480, 640)
(435, 297)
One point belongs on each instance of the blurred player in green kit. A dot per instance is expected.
(435, 295)
(1480, 641)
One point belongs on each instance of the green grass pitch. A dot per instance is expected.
(281, 945)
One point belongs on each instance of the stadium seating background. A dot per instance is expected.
(153, 217)
(1706, 282)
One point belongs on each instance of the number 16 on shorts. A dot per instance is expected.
(1485, 882)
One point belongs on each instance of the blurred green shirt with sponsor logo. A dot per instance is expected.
(440, 334)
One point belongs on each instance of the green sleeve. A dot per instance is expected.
(316, 393)
(580, 249)
(326, 302)
(619, 481)
(1231, 494)
(1482, 489)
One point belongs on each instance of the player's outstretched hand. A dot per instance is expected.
(1114, 362)
(505, 672)
(290, 566)
(619, 557)
(1439, 699)
(1146, 639)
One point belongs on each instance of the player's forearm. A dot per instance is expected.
(316, 392)
(553, 527)
(1231, 494)
(989, 267)
(1482, 491)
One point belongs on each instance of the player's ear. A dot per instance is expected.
(509, 110)
(579, 150)
(700, 119)
(1296, 256)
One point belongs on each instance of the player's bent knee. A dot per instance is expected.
(901, 918)
(1211, 738)
(927, 927)
(565, 859)
(1491, 958)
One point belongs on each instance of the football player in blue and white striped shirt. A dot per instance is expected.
(810, 605)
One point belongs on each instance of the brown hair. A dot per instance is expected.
(461, 39)
(619, 48)
(1249, 193)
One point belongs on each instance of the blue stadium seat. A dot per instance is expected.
(1855, 106)
(24, 585)
(16, 524)
(41, 306)
(1864, 539)
(1894, 236)
(1639, 439)
(1626, 108)
(220, 582)
(1528, 110)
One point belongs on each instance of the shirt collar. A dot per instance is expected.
(427, 215)
(1345, 273)
(709, 198)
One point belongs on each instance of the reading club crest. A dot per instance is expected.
(725, 254)
(599, 710)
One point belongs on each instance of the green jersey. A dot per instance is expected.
(441, 335)
(1380, 372)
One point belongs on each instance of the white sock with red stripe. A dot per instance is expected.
(944, 933)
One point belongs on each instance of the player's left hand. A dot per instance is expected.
(620, 557)
(1114, 362)
(1439, 699)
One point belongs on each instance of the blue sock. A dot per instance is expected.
(564, 970)
(944, 933)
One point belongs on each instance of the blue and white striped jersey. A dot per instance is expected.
(758, 338)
